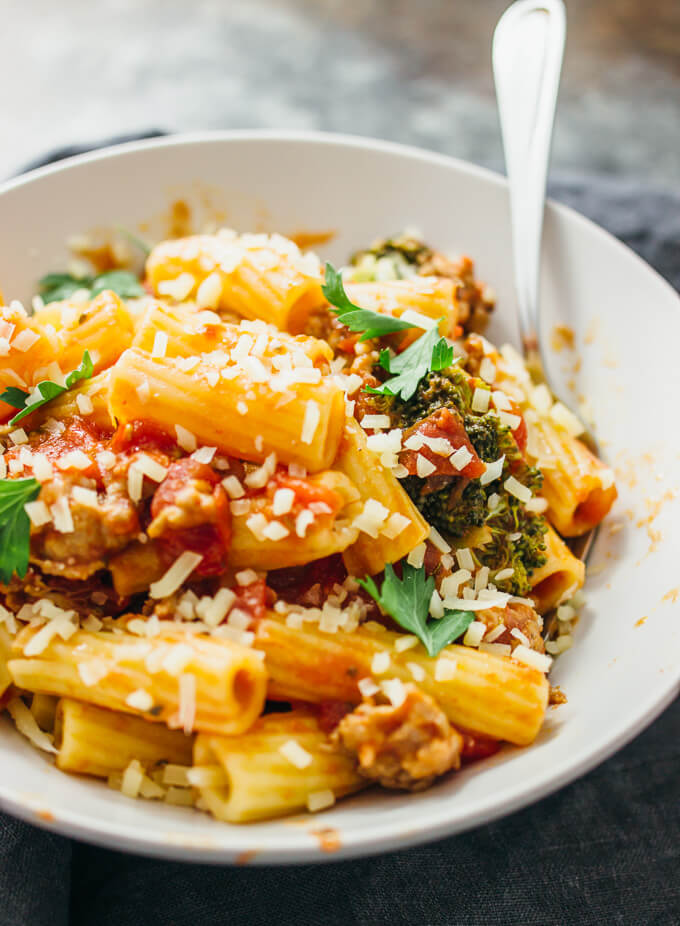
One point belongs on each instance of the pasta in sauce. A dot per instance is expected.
(271, 533)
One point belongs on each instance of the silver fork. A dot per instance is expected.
(528, 48)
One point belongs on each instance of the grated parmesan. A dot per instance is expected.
(185, 439)
(140, 700)
(84, 403)
(295, 754)
(61, 515)
(310, 422)
(380, 662)
(38, 513)
(320, 800)
(516, 489)
(530, 657)
(394, 690)
(27, 725)
(480, 400)
(180, 570)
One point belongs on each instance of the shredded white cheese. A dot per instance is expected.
(185, 439)
(310, 422)
(178, 573)
(295, 754)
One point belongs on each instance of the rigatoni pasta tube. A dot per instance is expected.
(560, 576)
(256, 276)
(433, 297)
(189, 332)
(327, 534)
(368, 555)
(92, 392)
(96, 741)
(302, 424)
(5, 655)
(224, 693)
(103, 327)
(577, 486)
(491, 695)
(252, 779)
(25, 349)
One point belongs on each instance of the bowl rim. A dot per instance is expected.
(381, 837)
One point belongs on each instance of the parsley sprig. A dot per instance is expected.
(15, 527)
(47, 390)
(57, 286)
(407, 601)
(372, 324)
(428, 352)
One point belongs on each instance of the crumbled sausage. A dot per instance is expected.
(515, 615)
(98, 530)
(401, 747)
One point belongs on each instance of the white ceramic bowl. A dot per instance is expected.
(625, 665)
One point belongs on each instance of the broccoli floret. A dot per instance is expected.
(483, 431)
(525, 554)
(405, 247)
(450, 516)
(435, 391)
(453, 512)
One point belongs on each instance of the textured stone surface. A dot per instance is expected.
(417, 72)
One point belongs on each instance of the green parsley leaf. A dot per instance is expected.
(407, 601)
(47, 389)
(57, 286)
(122, 282)
(429, 352)
(373, 324)
(15, 527)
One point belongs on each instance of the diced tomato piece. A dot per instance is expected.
(78, 434)
(348, 345)
(212, 541)
(204, 539)
(179, 474)
(520, 432)
(306, 493)
(142, 435)
(443, 424)
(476, 747)
(330, 713)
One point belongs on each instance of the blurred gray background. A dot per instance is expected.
(415, 71)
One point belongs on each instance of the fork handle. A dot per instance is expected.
(528, 47)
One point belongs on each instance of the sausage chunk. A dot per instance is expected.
(401, 747)
(100, 529)
(517, 615)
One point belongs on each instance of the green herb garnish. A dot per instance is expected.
(15, 527)
(407, 601)
(372, 324)
(47, 390)
(428, 353)
(57, 286)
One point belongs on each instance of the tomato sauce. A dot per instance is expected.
(211, 540)
(293, 582)
(476, 747)
(142, 435)
(442, 424)
(307, 493)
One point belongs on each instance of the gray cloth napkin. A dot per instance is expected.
(604, 850)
